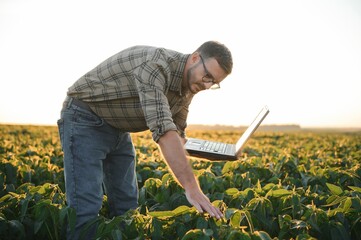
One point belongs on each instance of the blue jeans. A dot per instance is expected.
(96, 155)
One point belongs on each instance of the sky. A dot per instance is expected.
(300, 58)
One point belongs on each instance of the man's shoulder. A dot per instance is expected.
(152, 51)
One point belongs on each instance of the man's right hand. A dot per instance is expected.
(175, 155)
(201, 203)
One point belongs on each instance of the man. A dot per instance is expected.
(137, 89)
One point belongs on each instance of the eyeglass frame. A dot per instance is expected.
(215, 85)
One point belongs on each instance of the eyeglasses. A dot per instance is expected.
(208, 78)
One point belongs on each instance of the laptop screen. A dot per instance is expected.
(250, 130)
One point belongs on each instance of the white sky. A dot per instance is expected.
(301, 58)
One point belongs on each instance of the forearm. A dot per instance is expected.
(172, 149)
(174, 153)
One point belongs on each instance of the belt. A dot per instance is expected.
(76, 102)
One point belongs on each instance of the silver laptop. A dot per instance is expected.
(223, 151)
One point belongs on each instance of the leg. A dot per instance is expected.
(120, 179)
(84, 146)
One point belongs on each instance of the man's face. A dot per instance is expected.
(203, 74)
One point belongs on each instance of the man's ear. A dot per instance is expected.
(195, 57)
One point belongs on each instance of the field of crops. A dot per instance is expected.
(300, 185)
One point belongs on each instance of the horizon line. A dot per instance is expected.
(293, 126)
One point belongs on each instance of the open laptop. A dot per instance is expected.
(224, 151)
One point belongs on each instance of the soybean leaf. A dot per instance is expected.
(347, 205)
(279, 193)
(334, 200)
(180, 210)
(338, 231)
(232, 191)
(18, 227)
(334, 189)
(235, 219)
(201, 223)
(262, 235)
(208, 232)
(161, 214)
(117, 234)
(38, 225)
(356, 189)
(24, 208)
(195, 234)
(238, 235)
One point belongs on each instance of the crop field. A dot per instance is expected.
(287, 185)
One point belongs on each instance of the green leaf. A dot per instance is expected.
(298, 224)
(280, 192)
(67, 215)
(269, 186)
(5, 198)
(303, 236)
(232, 191)
(3, 225)
(18, 227)
(229, 212)
(37, 226)
(334, 200)
(338, 231)
(249, 219)
(238, 235)
(284, 221)
(117, 234)
(334, 189)
(9, 188)
(2, 180)
(181, 209)
(227, 167)
(157, 229)
(195, 234)
(347, 205)
(162, 214)
(208, 232)
(10, 173)
(236, 219)
(201, 223)
(262, 235)
(356, 189)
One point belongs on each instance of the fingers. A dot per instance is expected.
(198, 207)
(202, 203)
(212, 210)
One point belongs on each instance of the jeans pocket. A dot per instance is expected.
(86, 118)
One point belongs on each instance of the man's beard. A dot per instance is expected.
(187, 88)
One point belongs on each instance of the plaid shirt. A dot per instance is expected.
(137, 89)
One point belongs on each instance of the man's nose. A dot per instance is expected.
(208, 85)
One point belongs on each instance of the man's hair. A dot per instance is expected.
(218, 51)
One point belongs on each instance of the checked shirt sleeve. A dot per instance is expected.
(151, 79)
(180, 119)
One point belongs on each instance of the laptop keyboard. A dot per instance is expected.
(214, 146)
